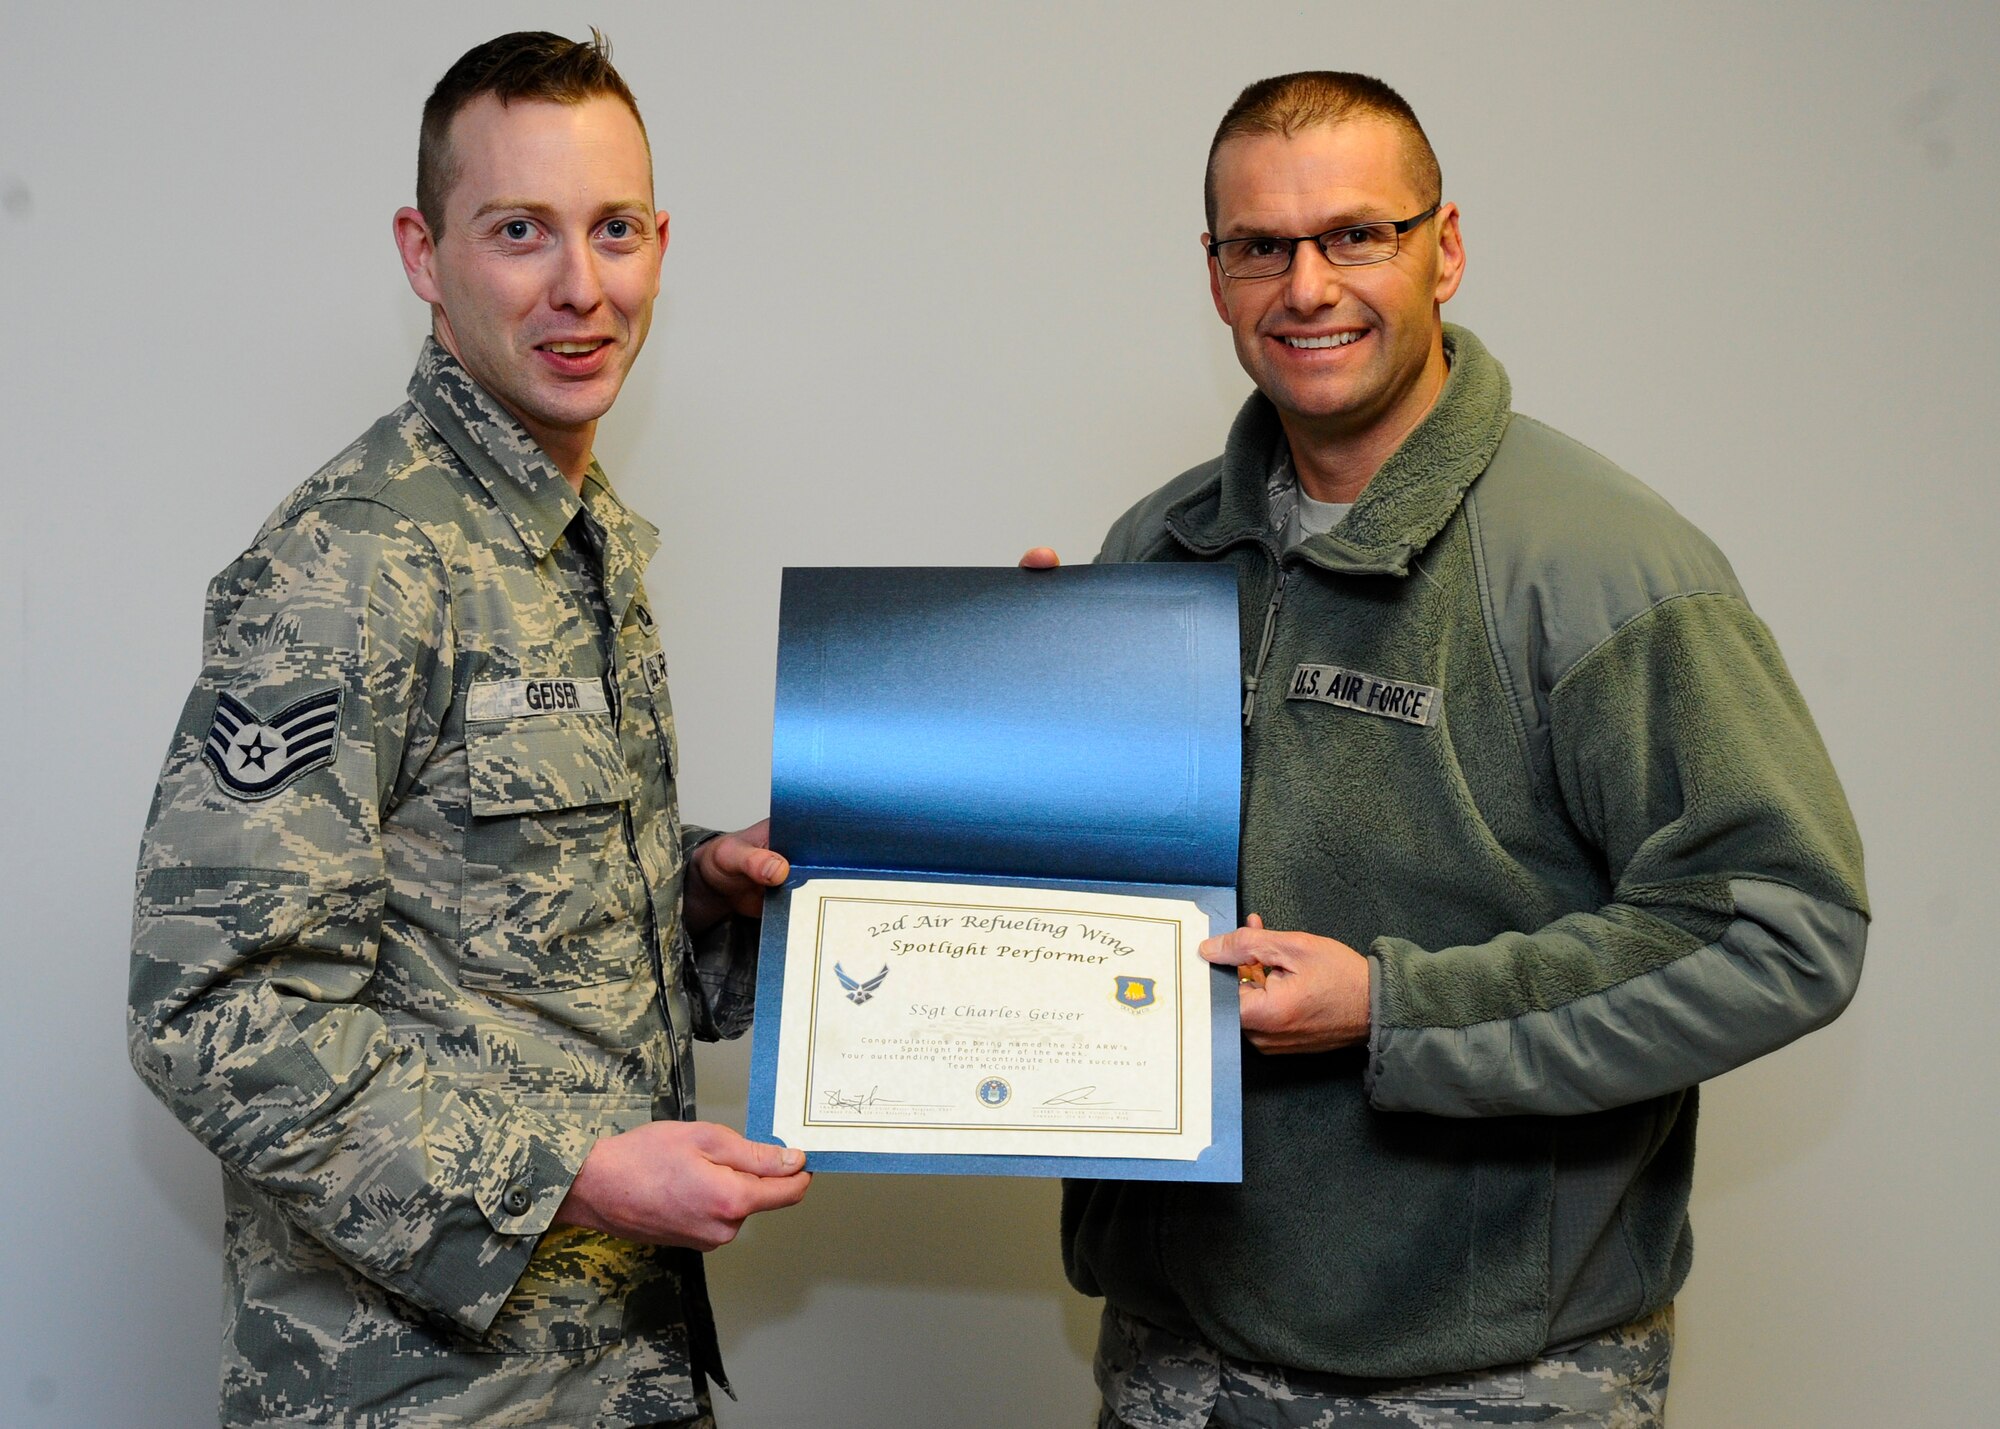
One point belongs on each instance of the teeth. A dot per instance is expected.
(1339, 339)
(570, 349)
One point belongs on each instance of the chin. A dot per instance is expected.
(572, 409)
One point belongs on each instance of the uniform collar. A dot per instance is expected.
(1403, 506)
(628, 540)
(535, 496)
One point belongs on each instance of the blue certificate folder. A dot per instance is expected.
(1075, 728)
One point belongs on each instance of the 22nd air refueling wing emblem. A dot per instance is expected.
(860, 992)
(1134, 992)
(253, 758)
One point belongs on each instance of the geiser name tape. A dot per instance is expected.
(507, 699)
(1369, 694)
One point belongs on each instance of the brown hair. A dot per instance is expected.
(1287, 103)
(528, 64)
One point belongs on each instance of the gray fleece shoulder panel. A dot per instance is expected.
(1142, 531)
(1569, 549)
(1785, 965)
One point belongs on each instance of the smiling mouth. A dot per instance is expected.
(574, 349)
(1336, 339)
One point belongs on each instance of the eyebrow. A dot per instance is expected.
(542, 210)
(1353, 219)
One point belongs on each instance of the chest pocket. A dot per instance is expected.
(552, 898)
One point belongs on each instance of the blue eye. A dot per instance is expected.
(618, 228)
(518, 230)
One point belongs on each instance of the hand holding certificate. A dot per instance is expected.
(1010, 800)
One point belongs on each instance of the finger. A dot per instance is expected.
(754, 1158)
(770, 1193)
(1222, 951)
(758, 860)
(1251, 974)
(771, 870)
(1234, 948)
(1040, 558)
(743, 857)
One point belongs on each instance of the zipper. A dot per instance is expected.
(1281, 582)
(683, 1103)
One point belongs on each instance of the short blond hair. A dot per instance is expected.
(1287, 103)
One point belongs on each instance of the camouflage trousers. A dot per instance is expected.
(1155, 1380)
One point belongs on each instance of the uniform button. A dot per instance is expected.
(517, 1200)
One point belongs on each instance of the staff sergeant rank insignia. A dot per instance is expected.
(1370, 694)
(254, 758)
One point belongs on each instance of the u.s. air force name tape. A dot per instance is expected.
(253, 757)
(1370, 694)
(509, 699)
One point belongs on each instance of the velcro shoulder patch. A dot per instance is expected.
(1369, 694)
(254, 758)
(511, 699)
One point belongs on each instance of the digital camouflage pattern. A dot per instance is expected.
(401, 995)
(1155, 1380)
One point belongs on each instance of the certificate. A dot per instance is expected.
(1010, 799)
(965, 1018)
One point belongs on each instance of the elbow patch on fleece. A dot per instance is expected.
(1686, 753)
(1573, 957)
(1787, 966)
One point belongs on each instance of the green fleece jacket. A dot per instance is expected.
(1514, 732)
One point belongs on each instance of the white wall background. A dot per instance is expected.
(1749, 251)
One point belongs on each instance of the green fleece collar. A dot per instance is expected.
(1405, 504)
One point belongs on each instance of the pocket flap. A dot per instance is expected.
(545, 761)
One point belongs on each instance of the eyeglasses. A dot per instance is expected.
(1354, 246)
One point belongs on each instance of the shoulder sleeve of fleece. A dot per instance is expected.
(259, 915)
(1141, 533)
(1680, 749)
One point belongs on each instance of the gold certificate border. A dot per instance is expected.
(807, 1119)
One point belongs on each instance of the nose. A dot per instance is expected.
(1312, 282)
(578, 286)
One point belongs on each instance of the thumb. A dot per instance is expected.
(756, 1158)
(1229, 949)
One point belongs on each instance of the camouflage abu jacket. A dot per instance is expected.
(409, 886)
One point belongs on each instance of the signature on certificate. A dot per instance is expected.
(838, 1100)
(1076, 1096)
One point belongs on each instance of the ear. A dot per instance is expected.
(1215, 281)
(1451, 254)
(660, 221)
(418, 250)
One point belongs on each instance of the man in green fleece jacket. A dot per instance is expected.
(1537, 836)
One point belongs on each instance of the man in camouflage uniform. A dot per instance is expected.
(420, 942)
(1542, 829)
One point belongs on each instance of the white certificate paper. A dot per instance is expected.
(969, 1018)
